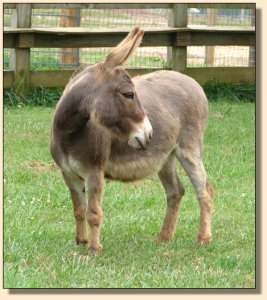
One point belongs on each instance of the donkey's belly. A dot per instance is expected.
(122, 170)
(132, 170)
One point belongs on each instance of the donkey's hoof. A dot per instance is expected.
(95, 249)
(81, 241)
(204, 239)
(160, 238)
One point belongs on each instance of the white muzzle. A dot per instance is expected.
(140, 138)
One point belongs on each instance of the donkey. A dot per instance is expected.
(107, 125)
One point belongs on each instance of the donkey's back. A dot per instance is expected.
(177, 94)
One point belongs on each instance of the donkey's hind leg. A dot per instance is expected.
(174, 192)
(191, 161)
(77, 188)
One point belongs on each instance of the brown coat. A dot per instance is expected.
(109, 125)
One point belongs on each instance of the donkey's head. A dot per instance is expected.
(116, 106)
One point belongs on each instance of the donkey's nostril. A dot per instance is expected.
(140, 143)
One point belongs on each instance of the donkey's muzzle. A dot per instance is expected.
(140, 138)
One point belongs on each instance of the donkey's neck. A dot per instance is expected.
(73, 111)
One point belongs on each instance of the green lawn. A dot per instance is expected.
(39, 239)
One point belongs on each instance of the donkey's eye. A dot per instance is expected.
(128, 95)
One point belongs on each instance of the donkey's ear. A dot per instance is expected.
(124, 50)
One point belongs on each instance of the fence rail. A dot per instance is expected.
(178, 37)
(84, 38)
(132, 5)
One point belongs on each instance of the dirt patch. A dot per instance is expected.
(40, 166)
(217, 115)
(28, 135)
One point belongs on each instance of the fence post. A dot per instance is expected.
(210, 50)
(20, 58)
(70, 18)
(252, 52)
(177, 55)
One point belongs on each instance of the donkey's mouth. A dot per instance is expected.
(140, 143)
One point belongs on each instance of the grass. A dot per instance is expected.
(235, 92)
(39, 246)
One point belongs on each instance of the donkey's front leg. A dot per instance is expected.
(76, 188)
(94, 211)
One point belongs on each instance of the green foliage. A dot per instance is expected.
(36, 97)
(39, 232)
(215, 92)
(233, 92)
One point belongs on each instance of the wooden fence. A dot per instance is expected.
(21, 38)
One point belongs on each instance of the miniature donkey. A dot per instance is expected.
(107, 125)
